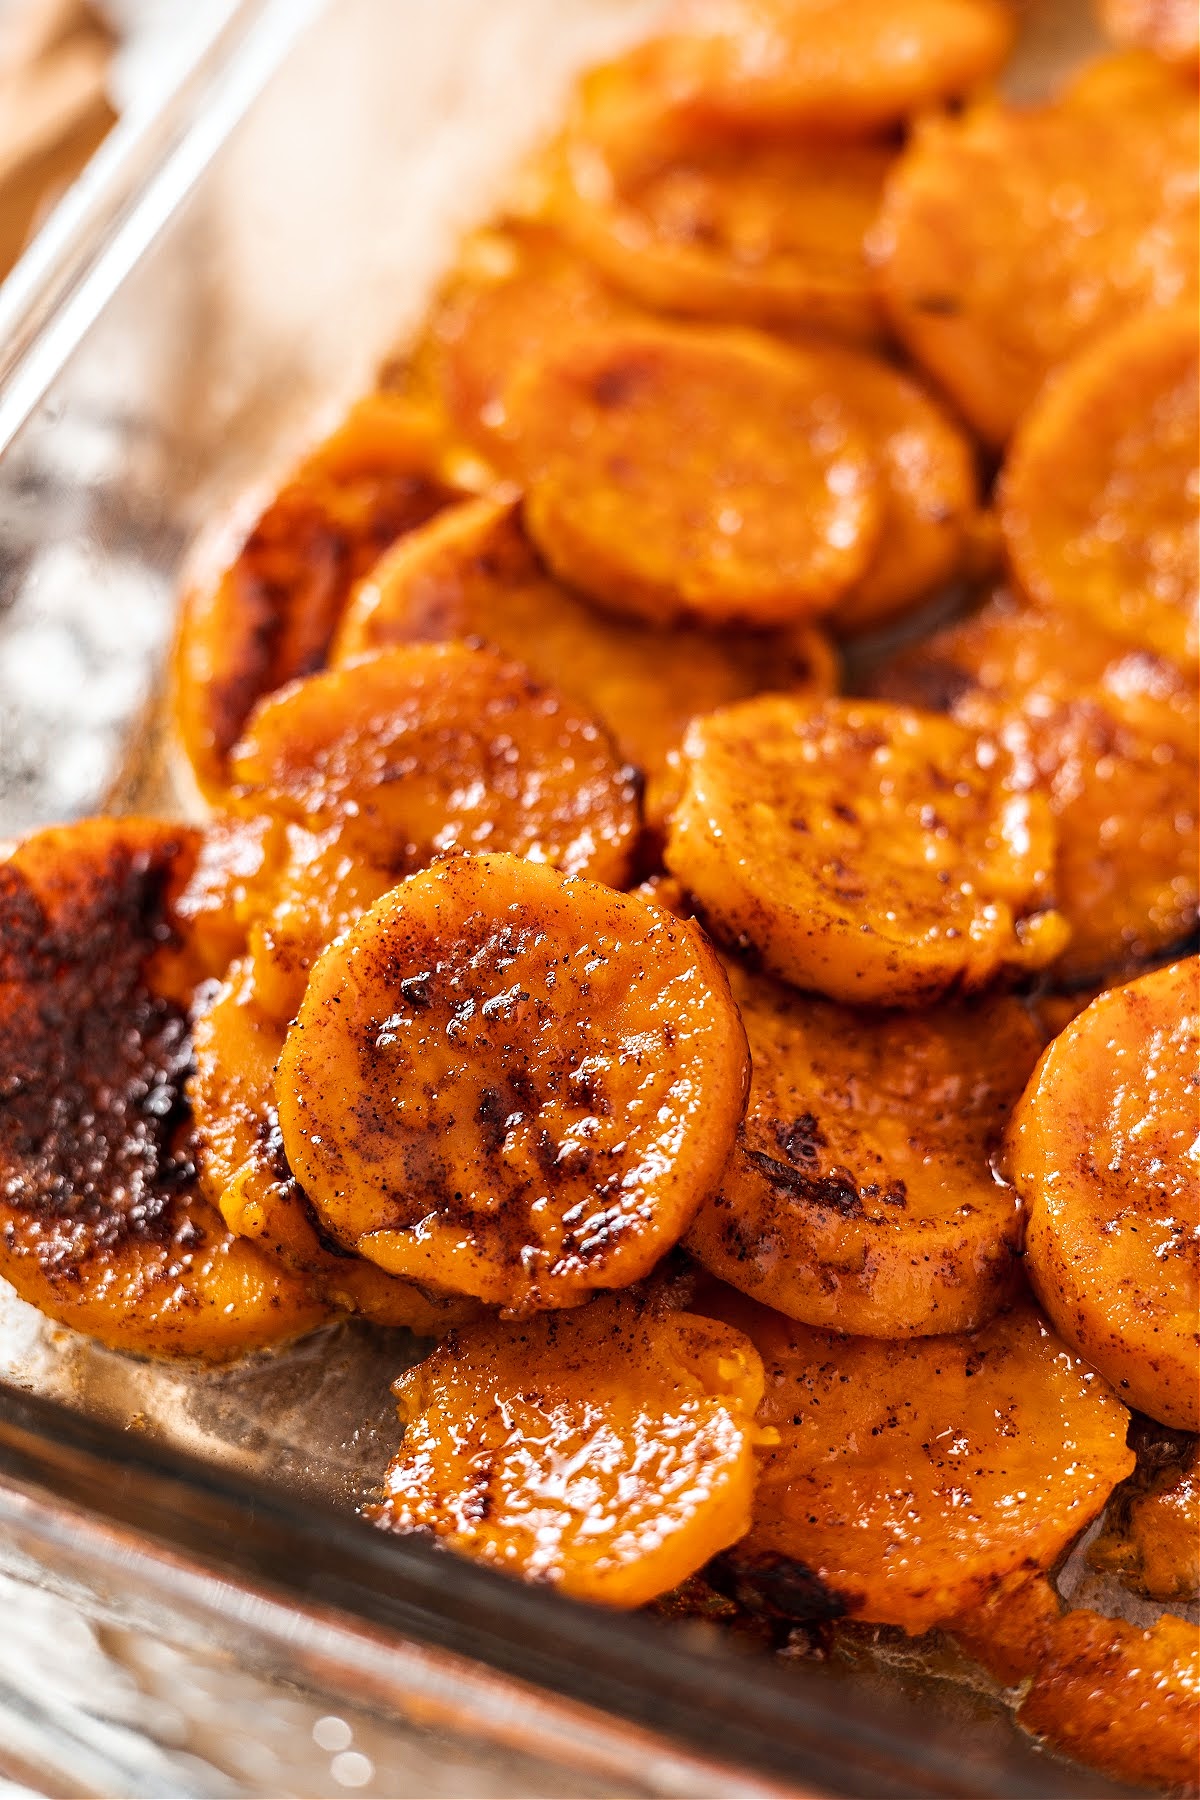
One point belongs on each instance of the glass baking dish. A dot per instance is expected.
(237, 282)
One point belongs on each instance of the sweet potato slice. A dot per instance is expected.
(823, 68)
(608, 1452)
(1100, 495)
(1103, 1151)
(875, 854)
(507, 1084)
(432, 747)
(517, 291)
(712, 474)
(930, 489)
(1112, 735)
(1008, 238)
(472, 574)
(243, 1170)
(1170, 28)
(764, 233)
(909, 1477)
(1151, 1535)
(102, 1226)
(860, 1196)
(270, 615)
(1123, 1698)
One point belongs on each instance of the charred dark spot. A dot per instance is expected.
(770, 1585)
(834, 1190)
(95, 1129)
(415, 990)
(801, 1141)
(619, 384)
(939, 306)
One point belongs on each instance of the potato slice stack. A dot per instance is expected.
(589, 966)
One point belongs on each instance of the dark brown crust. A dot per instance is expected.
(282, 599)
(94, 1138)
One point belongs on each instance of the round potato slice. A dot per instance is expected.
(102, 1226)
(872, 853)
(517, 291)
(270, 615)
(824, 68)
(909, 1477)
(432, 747)
(1112, 734)
(860, 1196)
(1100, 495)
(243, 1170)
(930, 489)
(1121, 1697)
(1171, 28)
(764, 233)
(711, 474)
(472, 574)
(1103, 1150)
(1009, 238)
(607, 1452)
(507, 1084)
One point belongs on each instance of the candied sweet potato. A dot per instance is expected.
(1103, 1150)
(909, 1477)
(875, 854)
(431, 747)
(1123, 1698)
(860, 1196)
(608, 1452)
(511, 1085)
(930, 489)
(270, 615)
(243, 1170)
(472, 574)
(1100, 495)
(236, 866)
(764, 233)
(677, 472)
(1112, 735)
(1170, 28)
(516, 292)
(1008, 238)
(823, 67)
(102, 1225)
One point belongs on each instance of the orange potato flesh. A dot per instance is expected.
(270, 615)
(1112, 735)
(1123, 1698)
(909, 1477)
(1009, 238)
(507, 1084)
(472, 574)
(1100, 496)
(1103, 1150)
(1170, 28)
(1151, 1535)
(516, 292)
(321, 888)
(711, 474)
(930, 489)
(822, 67)
(761, 233)
(430, 747)
(860, 1196)
(874, 854)
(236, 867)
(608, 1452)
(102, 1226)
(243, 1170)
